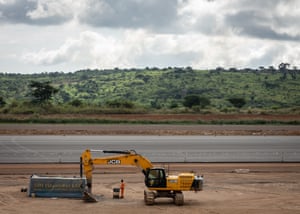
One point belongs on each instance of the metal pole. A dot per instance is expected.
(81, 171)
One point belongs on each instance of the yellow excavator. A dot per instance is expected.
(158, 183)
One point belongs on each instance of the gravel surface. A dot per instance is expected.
(229, 188)
(125, 129)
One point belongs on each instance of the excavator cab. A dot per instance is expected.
(156, 177)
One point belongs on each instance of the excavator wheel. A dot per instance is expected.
(149, 197)
(178, 199)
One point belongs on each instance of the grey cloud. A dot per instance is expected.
(165, 60)
(255, 23)
(266, 59)
(261, 19)
(207, 24)
(130, 13)
(17, 12)
(260, 4)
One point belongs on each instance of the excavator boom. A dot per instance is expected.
(128, 157)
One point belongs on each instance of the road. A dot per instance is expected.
(67, 149)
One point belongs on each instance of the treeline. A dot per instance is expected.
(171, 89)
(282, 68)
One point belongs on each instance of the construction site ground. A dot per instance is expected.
(229, 188)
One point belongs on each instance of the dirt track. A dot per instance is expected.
(142, 129)
(267, 188)
(125, 129)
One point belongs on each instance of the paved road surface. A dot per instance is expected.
(49, 149)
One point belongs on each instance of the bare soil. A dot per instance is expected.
(160, 117)
(264, 188)
(229, 188)
(144, 129)
(125, 129)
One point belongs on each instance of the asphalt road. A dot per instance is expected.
(67, 149)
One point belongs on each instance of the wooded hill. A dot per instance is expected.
(153, 88)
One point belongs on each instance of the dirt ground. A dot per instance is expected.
(152, 129)
(228, 188)
(160, 117)
(257, 188)
(132, 129)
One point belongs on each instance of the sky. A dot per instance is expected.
(50, 35)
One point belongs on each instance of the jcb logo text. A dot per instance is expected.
(114, 162)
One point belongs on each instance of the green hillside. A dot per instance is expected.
(161, 88)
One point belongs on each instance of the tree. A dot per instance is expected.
(204, 101)
(191, 100)
(237, 102)
(272, 69)
(76, 103)
(194, 100)
(120, 104)
(294, 72)
(42, 91)
(283, 68)
(2, 102)
(262, 68)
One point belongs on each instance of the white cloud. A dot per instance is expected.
(288, 52)
(7, 1)
(204, 16)
(50, 8)
(285, 16)
(71, 35)
(92, 49)
(141, 48)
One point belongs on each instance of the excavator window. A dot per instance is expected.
(156, 178)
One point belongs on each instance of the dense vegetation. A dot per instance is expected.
(152, 89)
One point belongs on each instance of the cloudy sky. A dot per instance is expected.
(67, 35)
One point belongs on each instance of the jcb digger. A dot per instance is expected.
(158, 183)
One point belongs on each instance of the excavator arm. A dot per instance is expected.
(127, 157)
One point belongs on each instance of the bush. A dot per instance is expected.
(194, 100)
(204, 102)
(2, 102)
(191, 100)
(76, 103)
(120, 104)
(237, 102)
